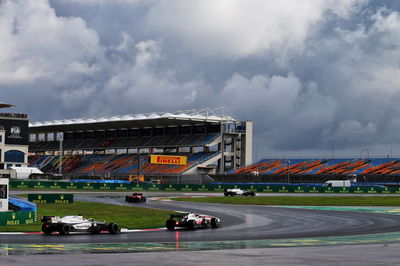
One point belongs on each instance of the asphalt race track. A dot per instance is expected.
(250, 235)
(239, 223)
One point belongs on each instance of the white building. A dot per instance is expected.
(14, 140)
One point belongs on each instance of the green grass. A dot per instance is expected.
(124, 216)
(303, 201)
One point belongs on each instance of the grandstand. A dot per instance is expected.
(212, 141)
(322, 169)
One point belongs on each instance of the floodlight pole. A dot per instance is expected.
(391, 150)
(288, 167)
(222, 166)
(140, 165)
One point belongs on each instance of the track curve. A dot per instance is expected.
(240, 222)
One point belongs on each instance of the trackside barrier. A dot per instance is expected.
(51, 198)
(59, 185)
(18, 217)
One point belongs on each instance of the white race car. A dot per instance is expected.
(72, 223)
(192, 221)
(238, 191)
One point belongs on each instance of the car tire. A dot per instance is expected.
(226, 194)
(170, 224)
(65, 229)
(127, 198)
(113, 228)
(46, 229)
(192, 225)
(214, 223)
(204, 223)
(96, 230)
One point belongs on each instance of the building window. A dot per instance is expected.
(3, 191)
(14, 156)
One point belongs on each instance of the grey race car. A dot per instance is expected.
(72, 223)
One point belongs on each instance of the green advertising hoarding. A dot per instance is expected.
(18, 217)
(51, 198)
(289, 188)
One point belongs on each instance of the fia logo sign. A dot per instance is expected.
(15, 131)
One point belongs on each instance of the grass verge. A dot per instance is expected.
(124, 216)
(303, 201)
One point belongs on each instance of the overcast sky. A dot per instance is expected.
(312, 74)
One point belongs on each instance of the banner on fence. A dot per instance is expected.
(288, 188)
(18, 217)
(51, 198)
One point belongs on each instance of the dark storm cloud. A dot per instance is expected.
(310, 74)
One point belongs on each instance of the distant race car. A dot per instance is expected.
(71, 223)
(136, 198)
(238, 191)
(192, 221)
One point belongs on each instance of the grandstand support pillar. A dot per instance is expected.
(139, 164)
(247, 145)
(222, 149)
(60, 153)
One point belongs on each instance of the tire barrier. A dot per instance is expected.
(22, 205)
(88, 186)
(26, 213)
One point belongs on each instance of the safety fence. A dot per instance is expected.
(290, 188)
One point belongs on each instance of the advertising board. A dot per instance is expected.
(88, 186)
(168, 159)
(18, 217)
(51, 198)
(16, 131)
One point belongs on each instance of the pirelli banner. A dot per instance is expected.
(167, 159)
(51, 198)
(18, 217)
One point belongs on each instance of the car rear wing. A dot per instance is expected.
(50, 219)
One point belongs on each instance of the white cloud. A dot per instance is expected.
(36, 44)
(103, 2)
(241, 28)
(339, 82)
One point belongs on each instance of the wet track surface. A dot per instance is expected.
(239, 223)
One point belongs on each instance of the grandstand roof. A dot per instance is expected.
(180, 117)
(6, 105)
